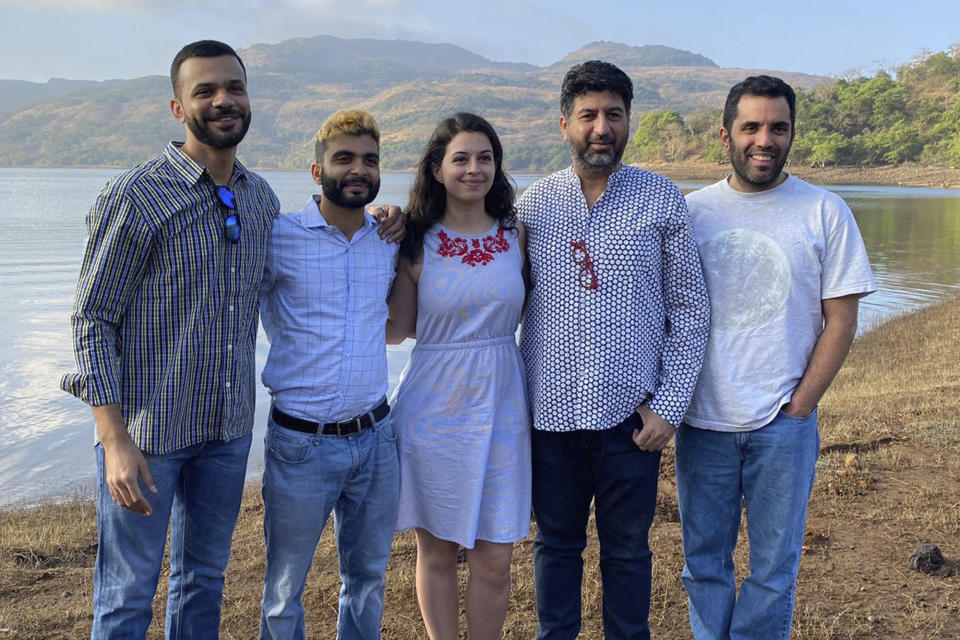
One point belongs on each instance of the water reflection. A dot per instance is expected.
(912, 236)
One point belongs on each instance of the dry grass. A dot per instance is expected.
(895, 407)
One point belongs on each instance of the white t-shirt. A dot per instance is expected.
(769, 258)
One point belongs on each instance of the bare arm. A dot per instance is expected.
(524, 266)
(839, 329)
(123, 461)
(402, 319)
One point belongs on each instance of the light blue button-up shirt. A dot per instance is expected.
(323, 304)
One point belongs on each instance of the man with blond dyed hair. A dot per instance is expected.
(329, 444)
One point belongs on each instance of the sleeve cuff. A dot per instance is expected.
(91, 389)
(669, 411)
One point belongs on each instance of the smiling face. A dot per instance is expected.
(597, 130)
(211, 101)
(349, 175)
(758, 142)
(468, 167)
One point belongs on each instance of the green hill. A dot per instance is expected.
(17, 94)
(407, 86)
(911, 114)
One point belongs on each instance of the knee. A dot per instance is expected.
(438, 559)
(490, 564)
(494, 576)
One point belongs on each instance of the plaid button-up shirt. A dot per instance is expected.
(165, 318)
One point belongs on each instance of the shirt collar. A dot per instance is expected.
(311, 217)
(612, 179)
(191, 170)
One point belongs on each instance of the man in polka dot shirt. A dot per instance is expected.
(785, 268)
(612, 340)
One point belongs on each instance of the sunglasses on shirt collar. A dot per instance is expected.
(231, 222)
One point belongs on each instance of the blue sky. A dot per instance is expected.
(98, 39)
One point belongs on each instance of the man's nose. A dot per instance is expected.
(601, 126)
(222, 98)
(764, 137)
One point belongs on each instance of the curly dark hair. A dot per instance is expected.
(594, 75)
(428, 198)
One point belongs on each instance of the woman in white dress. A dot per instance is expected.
(460, 411)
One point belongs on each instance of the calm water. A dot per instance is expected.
(46, 435)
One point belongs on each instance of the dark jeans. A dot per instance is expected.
(570, 468)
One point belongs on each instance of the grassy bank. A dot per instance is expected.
(903, 175)
(888, 479)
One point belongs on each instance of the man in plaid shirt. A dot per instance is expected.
(164, 328)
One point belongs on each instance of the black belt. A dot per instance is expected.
(341, 428)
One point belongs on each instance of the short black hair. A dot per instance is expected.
(763, 87)
(594, 75)
(201, 49)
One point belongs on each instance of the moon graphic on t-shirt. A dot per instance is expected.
(748, 277)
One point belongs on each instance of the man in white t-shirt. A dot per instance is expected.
(785, 267)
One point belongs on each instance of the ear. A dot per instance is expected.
(177, 110)
(563, 128)
(316, 171)
(435, 168)
(725, 139)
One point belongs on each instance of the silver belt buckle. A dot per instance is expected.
(343, 423)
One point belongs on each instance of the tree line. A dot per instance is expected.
(908, 114)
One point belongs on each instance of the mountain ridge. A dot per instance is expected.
(408, 86)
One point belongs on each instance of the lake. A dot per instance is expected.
(46, 435)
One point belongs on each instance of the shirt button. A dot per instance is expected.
(229, 347)
(231, 307)
(227, 385)
(233, 270)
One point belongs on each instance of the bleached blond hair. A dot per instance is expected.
(346, 122)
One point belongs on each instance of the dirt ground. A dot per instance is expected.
(887, 481)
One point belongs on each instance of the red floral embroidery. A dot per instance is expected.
(455, 247)
(450, 248)
(495, 244)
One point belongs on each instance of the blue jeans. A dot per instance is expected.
(771, 469)
(570, 469)
(305, 477)
(201, 487)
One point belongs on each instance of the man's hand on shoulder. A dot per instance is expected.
(393, 224)
(656, 432)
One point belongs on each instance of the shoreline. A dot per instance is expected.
(887, 480)
(905, 175)
(72, 494)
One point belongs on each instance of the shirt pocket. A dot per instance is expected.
(184, 244)
(287, 446)
(374, 275)
(631, 257)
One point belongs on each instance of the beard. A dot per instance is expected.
(588, 158)
(202, 131)
(740, 161)
(334, 190)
